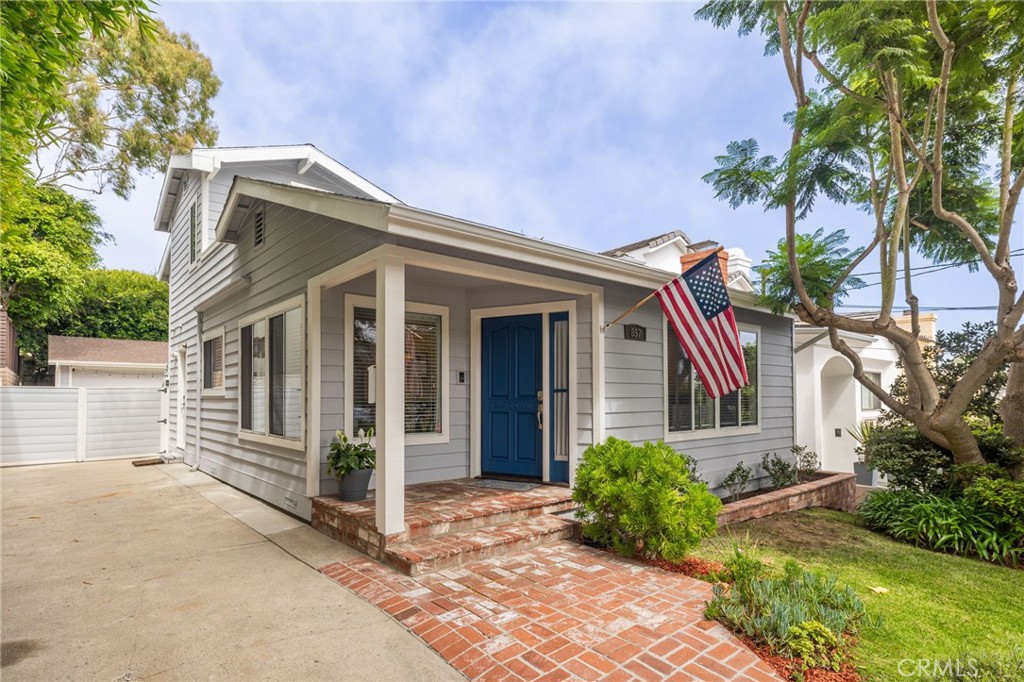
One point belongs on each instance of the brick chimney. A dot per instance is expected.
(688, 260)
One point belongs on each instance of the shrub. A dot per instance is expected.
(640, 501)
(743, 567)
(986, 522)
(909, 460)
(345, 455)
(737, 480)
(791, 614)
(692, 468)
(807, 462)
(781, 472)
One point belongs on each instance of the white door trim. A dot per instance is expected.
(476, 316)
(181, 398)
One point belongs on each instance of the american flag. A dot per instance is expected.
(697, 305)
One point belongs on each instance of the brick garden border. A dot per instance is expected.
(833, 491)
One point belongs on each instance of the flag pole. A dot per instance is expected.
(645, 299)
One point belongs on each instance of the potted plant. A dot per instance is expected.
(352, 463)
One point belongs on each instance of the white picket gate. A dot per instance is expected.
(44, 424)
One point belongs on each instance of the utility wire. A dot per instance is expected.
(941, 266)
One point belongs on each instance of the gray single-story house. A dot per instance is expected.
(304, 299)
(79, 361)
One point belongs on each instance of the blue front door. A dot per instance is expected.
(512, 366)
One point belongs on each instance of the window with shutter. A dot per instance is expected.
(213, 362)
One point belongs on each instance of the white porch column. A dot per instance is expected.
(390, 395)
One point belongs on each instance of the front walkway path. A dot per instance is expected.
(560, 612)
(111, 572)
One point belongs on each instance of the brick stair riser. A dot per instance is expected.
(496, 519)
(459, 558)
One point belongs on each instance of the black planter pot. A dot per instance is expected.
(352, 486)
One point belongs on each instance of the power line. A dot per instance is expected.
(942, 266)
(927, 308)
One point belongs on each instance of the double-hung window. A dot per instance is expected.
(425, 369)
(271, 360)
(690, 409)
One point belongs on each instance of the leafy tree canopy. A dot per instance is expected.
(900, 109)
(43, 41)
(48, 239)
(133, 101)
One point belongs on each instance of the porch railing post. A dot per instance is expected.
(390, 405)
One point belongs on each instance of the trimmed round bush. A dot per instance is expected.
(639, 500)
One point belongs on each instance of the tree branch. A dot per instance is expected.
(853, 266)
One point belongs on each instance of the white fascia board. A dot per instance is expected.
(676, 241)
(433, 227)
(82, 364)
(358, 211)
(856, 339)
(164, 272)
(177, 162)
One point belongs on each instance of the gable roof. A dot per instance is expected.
(72, 350)
(305, 156)
(402, 220)
(650, 242)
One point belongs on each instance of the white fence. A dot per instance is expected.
(43, 424)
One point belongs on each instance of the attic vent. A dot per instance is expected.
(258, 229)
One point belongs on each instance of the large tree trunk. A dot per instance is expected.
(1011, 409)
(960, 441)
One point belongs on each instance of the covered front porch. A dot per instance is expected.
(464, 369)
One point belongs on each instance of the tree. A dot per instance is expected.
(43, 41)
(118, 304)
(48, 239)
(949, 357)
(911, 101)
(133, 101)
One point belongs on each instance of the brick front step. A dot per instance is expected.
(433, 553)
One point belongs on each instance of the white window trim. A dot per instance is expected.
(207, 336)
(266, 438)
(717, 431)
(353, 301)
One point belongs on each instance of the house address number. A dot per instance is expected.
(635, 332)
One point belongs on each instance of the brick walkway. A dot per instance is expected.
(560, 612)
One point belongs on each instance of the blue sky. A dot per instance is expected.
(584, 124)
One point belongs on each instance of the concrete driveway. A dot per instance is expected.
(112, 572)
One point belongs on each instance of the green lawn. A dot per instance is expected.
(938, 606)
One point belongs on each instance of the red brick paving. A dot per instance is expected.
(560, 612)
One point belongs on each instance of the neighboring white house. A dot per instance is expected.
(305, 299)
(830, 402)
(78, 361)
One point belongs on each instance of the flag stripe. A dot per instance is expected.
(697, 305)
(699, 352)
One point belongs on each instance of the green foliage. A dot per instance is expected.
(43, 41)
(821, 258)
(119, 304)
(640, 500)
(346, 455)
(48, 240)
(692, 467)
(781, 472)
(743, 566)
(807, 462)
(737, 480)
(136, 99)
(778, 611)
(947, 360)
(986, 522)
(815, 645)
(911, 461)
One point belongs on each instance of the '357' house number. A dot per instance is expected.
(635, 332)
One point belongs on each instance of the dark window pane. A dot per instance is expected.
(680, 388)
(208, 364)
(749, 393)
(364, 356)
(277, 379)
(729, 409)
(245, 377)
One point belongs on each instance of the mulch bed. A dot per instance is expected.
(695, 567)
